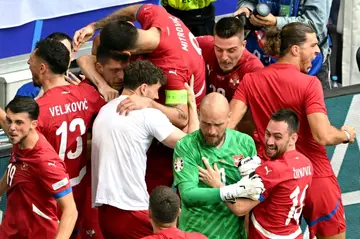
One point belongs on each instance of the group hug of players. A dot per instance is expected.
(231, 185)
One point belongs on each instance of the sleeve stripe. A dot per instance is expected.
(62, 193)
(137, 12)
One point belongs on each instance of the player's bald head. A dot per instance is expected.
(214, 103)
(214, 118)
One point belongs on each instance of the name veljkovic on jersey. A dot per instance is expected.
(69, 108)
(301, 172)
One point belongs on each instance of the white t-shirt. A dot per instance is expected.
(118, 154)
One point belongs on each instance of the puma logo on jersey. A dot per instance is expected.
(267, 170)
(52, 164)
(172, 72)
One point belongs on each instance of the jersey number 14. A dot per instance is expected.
(298, 204)
(63, 131)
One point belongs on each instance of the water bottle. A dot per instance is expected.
(334, 81)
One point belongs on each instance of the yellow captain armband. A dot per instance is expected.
(176, 97)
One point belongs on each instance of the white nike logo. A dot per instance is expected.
(52, 164)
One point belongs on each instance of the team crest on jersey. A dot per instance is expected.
(178, 164)
(237, 159)
(233, 83)
(24, 166)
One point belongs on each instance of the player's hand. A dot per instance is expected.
(268, 21)
(352, 132)
(248, 165)
(133, 102)
(209, 175)
(248, 187)
(241, 10)
(73, 79)
(107, 92)
(190, 92)
(83, 35)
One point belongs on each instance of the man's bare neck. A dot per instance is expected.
(54, 81)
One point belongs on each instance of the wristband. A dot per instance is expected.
(347, 136)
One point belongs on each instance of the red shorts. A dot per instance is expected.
(117, 223)
(90, 227)
(159, 169)
(323, 210)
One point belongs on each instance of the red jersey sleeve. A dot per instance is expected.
(148, 15)
(270, 177)
(206, 44)
(53, 176)
(252, 63)
(241, 92)
(314, 98)
(95, 101)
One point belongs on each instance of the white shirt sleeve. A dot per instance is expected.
(158, 125)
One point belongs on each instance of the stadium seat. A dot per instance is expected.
(358, 58)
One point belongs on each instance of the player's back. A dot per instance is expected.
(178, 53)
(286, 181)
(283, 86)
(119, 181)
(66, 115)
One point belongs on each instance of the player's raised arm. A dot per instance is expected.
(87, 66)
(2, 118)
(238, 104)
(68, 216)
(84, 34)
(193, 114)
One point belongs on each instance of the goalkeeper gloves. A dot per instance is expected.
(250, 186)
(248, 165)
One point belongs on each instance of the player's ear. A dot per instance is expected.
(244, 43)
(143, 89)
(34, 124)
(295, 50)
(43, 68)
(99, 67)
(293, 138)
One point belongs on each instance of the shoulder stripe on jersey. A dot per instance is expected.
(40, 213)
(268, 234)
(137, 12)
(62, 193)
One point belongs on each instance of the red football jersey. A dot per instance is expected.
(286, 181)
(217, 80)
(35, 178)
(178, 53)
(283, 86)
(66, 114)
(175, 233)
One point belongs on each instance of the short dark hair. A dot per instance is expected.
(24, 104)
(103, 55)
(142, 72)
(55, 54)
(228, 27)
(278, 43)
(119, 35)
(164, 205)
(288, 116)
(60, 36)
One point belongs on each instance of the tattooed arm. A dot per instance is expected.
(177, 114)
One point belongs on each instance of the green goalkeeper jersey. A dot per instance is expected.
(216, 221)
